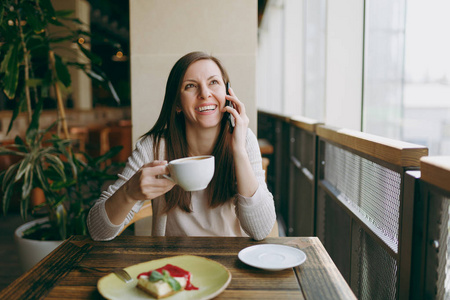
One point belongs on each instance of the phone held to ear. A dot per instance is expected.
(229, 116)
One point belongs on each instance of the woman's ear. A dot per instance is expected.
(178, 109)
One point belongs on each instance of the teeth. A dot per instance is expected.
(208, 107)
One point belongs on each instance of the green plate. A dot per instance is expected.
(209, 276)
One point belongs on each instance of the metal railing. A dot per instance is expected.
(384, 226)
(430, 255)
(291, 174)
(360, 215)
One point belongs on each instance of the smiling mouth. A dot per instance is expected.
(207, 108)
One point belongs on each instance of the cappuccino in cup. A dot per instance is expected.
(191, 173)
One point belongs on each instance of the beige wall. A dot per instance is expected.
(161, 31)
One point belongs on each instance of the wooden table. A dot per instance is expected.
(59, 277)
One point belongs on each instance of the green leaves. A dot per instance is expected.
(8, 185)
(61, 219)
(64, 13)
(108, 155)
(156, 276)
(25, 46)
(34, 125)
(30, 171)
(70, 185)
(175, 285)
(92, 57)
(98, 75)
(62, 72)
(10, 66)
(2, 15)
(33, 17)
(47, 8)
(27, 73)
(56, 164)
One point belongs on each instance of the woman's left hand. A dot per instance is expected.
(241, 121)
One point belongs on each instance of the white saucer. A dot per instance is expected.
(272, 257)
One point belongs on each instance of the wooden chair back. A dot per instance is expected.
(144, 212)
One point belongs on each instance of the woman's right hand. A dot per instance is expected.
(147, 183)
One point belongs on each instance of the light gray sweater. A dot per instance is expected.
(256, 214)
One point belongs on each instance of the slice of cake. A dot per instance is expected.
(165, 281)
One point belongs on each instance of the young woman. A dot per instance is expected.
(192, 123)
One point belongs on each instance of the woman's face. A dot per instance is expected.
(203, 94)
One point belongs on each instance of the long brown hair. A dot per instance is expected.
(171, 127)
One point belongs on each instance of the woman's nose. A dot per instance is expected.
(204, 92)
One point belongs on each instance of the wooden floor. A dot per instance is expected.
(9, 259)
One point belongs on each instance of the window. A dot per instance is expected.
(426, 96)
(314, 59)
(383, 67)
(406, 72)
(269, 60)
(291, 58)
(380, 66)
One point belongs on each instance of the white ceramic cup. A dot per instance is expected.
(192, 173)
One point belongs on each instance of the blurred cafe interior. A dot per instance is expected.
(350, 101)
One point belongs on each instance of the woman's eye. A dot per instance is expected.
(214, 81)
(189, 85)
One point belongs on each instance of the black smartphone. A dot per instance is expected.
(228, 115)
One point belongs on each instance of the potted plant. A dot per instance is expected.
(29, 70)
(70, 185)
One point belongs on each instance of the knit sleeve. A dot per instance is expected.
(256, 213)
(99, 226)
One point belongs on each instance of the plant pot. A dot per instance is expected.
(32, 251)
(37, 197)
